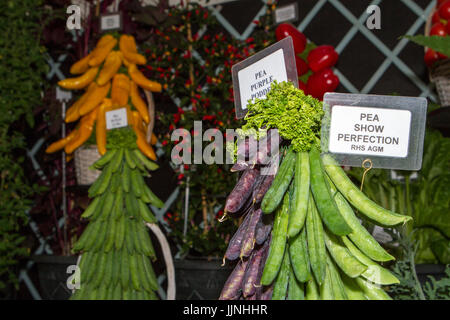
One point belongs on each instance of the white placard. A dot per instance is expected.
(370, 131)
(110, 22)
(255, 80)
(63, 95)
(116, 119)
(286, 13)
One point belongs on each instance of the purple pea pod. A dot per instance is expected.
(241, 191)
(235, 244)
(239, 166)
(253, 273)
(232, 288)
(267, 293)
(259, 194)
(263, 229)
(249, 238)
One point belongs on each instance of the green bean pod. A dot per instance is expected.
(342, 256)
(281, 282)
(374, 272)
(280, 184)
(358, 199)
(296, 289)
(326, 288)
(323, 198)
(299, 205)
(351, 288)
(278, 244)
(298, 252)
(359, 235)
(312, 291)
(372, 291)
(336, 282)
(316, 244)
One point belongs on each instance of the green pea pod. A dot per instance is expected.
(100, 163)
(278, 244)
(326, 288)
(298, 252)
(374, 272)
(316, 244)
(359, 235)
(280, 184)
(372, 291)
(323, 198)
(336, 282)
(342, 256)
(299, 205)
(117, 160)
(282, 280)
(296, 289)
(351, 288)
(312, 291)
(357, 198)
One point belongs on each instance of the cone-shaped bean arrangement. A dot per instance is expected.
(115, 246)
(300, 237)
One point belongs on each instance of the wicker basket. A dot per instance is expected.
(439, 74)
(85, 156)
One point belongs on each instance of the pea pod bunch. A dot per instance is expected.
(300, 238)
(115, 246)
(110, 78)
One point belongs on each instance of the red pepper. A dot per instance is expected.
(431, 57)
(285, 30)
(321, 82)
(322, 57)
(438, 29)
(436, 17)
(302, 66)
(302, 86)
(444, 10)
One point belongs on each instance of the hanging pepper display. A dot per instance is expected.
(107, 88)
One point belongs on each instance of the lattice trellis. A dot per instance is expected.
(391, 57)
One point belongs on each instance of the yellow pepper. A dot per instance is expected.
(95, 97)
(84, 132)
(79, 82)
(60, 144)
(73, 113)
(127, 46)
(98, 55)
(153, 139)
(120, 89)
(100, 126)
(112, 64)
(138, 102)
(142, 81)
(81, 65)
(141, 141)
(104, 40)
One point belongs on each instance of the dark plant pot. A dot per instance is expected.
(200, 279)
(437, 271)
(52, 273)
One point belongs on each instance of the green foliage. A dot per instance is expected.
(437, 43)
(22, 67)
(296, 115)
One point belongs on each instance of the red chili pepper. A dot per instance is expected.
(302, 66)
(322, 57)
(438, 29)
(321, 82)
(285, 30)
(436, 17)
(431, 57)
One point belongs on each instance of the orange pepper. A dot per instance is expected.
(73, 113)
(141, 141)
(142, 81)
(120, 89)
(95, 97)
(112, 64)
(100, 127)
(79, 82)
(127, 46)
(98, 55)
(60, 144)
(81, 65)
(84, 132)
(138, 102)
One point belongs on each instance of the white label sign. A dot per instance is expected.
(116, 119)
(370, 131)
(255, 80)
(110, 22)
(286, 13)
